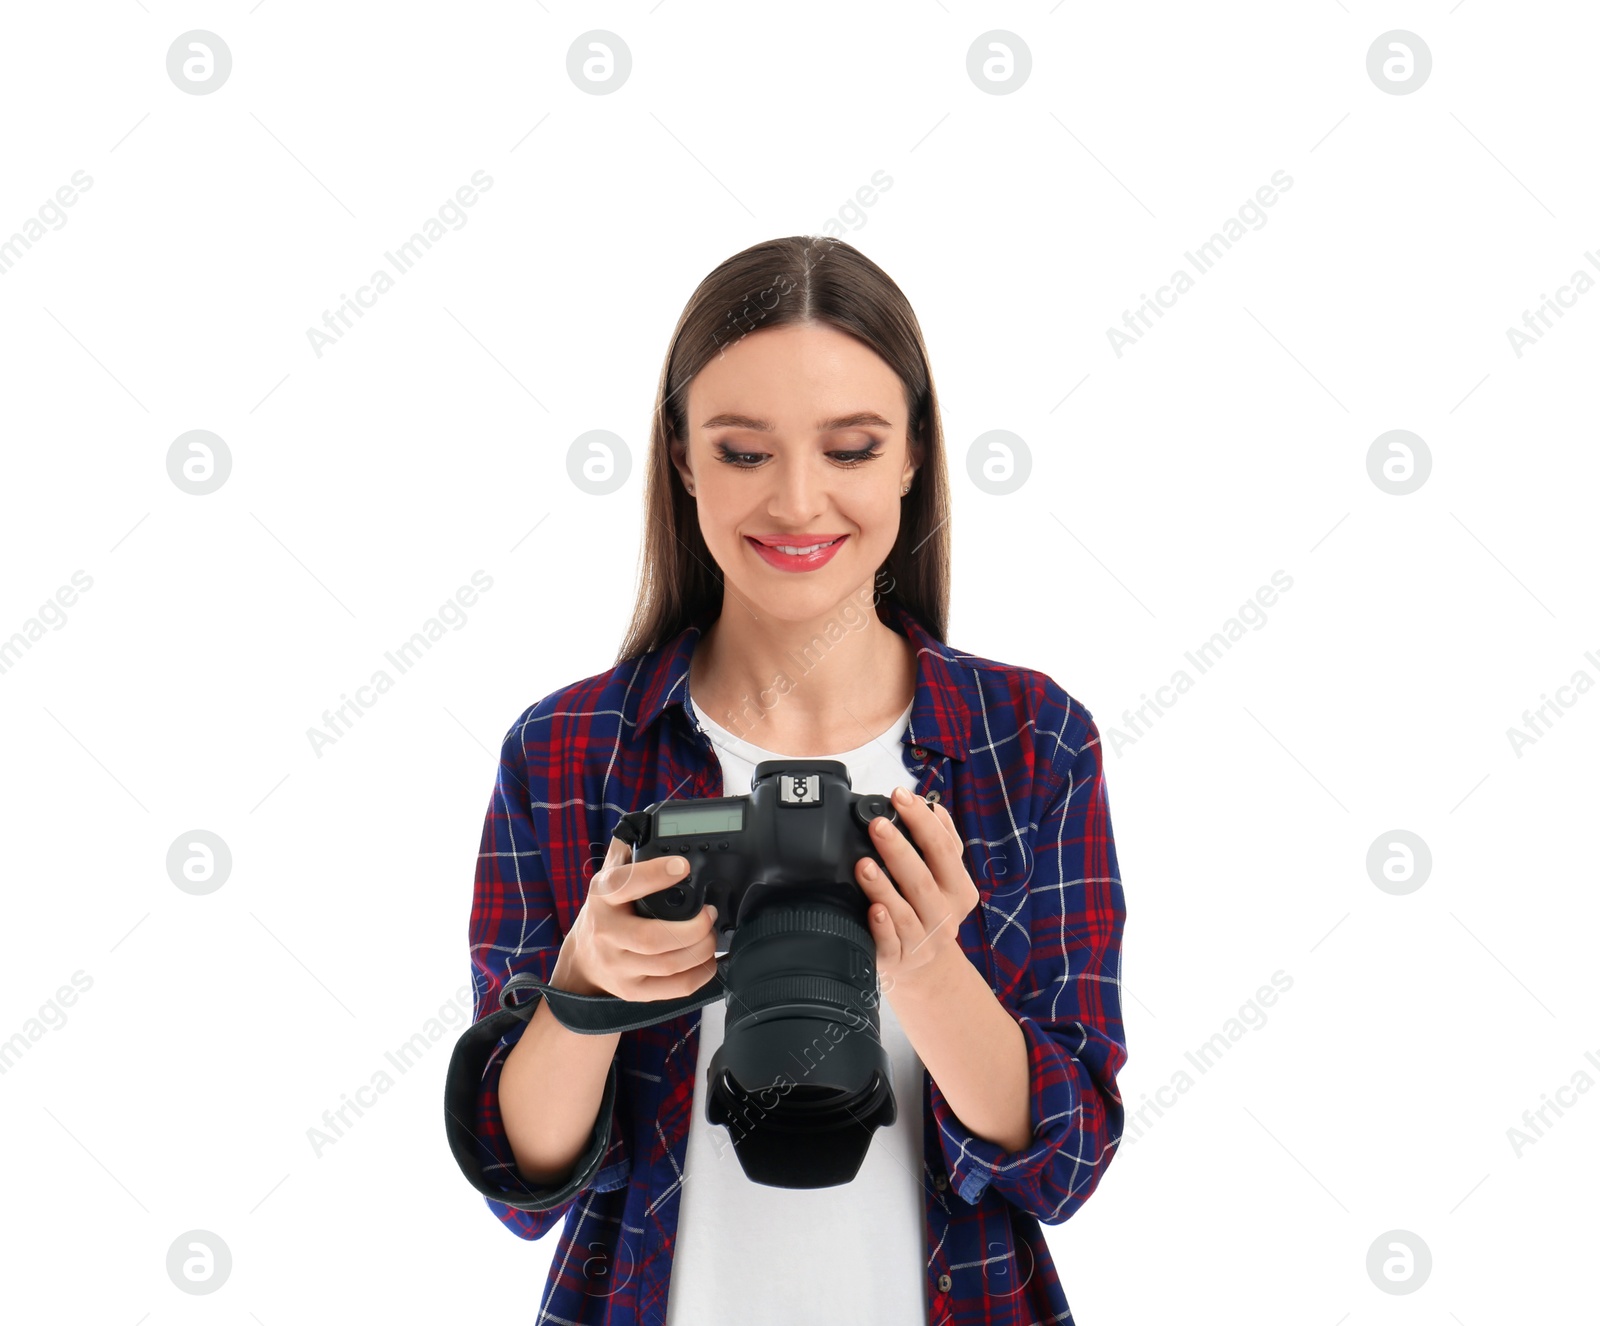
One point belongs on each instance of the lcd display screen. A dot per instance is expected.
(700, 820)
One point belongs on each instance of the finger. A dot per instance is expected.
(905, 866)
(942, 813)
(670, 962)
(922, 819)
(675, 986)
(890, 918)
(652, 934)
(936, 839)
(623, 880)
(617, 853)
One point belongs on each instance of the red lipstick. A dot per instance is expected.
(808, 551)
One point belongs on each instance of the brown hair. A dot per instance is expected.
(800, 279)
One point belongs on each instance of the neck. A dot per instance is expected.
(831, 681)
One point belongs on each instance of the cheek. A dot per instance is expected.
(879, 522)
(720, 523)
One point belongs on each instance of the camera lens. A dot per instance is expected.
(801, 1078)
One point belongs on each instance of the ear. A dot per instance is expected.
(913, 461)
(677, 452)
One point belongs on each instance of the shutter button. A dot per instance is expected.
(944, 1284)
(870, 807)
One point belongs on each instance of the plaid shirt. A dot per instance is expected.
(1017, 762)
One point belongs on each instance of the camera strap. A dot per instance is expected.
(590, 1015)
(595, 1015)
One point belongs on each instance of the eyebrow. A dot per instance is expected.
(755, 425)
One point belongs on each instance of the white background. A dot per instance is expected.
(1168, 485)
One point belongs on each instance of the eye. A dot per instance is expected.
(748, 460)
(743, 459)
(856, 457)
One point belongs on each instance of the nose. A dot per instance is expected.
(800, 489)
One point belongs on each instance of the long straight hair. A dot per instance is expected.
(779, 283)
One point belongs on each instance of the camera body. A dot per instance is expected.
(800, 827)
(801, 1079)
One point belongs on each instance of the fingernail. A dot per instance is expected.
(677, 866)
(713, 912)
(870, 870)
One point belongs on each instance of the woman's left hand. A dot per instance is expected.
(915, 924)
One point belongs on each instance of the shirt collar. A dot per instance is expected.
(939, 709)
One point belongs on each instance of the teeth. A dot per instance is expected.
(801, 552)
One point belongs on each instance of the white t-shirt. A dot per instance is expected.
(798, 1256)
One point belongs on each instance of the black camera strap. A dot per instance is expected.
(590, 1015)
(595, 1015)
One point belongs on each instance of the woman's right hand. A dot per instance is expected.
(613, 950)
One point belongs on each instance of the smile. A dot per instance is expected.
(796, 556)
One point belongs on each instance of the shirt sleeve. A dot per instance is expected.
(1068, 1005)
(515, 928)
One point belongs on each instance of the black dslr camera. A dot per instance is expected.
(801, 1079)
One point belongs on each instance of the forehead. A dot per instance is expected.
(796, 377)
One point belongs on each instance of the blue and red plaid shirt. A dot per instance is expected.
(1017, 762)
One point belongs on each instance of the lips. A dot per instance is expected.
(795, 543)
(815, 550)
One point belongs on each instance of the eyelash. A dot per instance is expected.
(849, 459)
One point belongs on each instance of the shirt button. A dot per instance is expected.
(944, 1284)
(940, 1182)
(919, 752)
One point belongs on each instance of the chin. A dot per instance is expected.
(800, 603)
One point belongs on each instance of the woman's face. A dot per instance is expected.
(797, 435)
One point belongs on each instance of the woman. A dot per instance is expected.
(793, 599)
